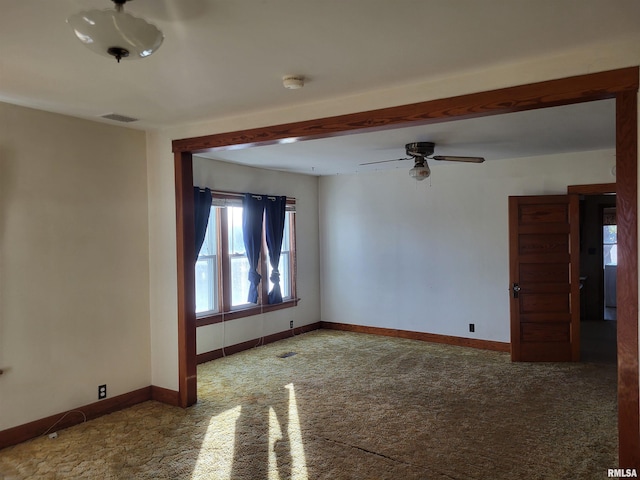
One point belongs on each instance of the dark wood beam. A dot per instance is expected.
(597, 86)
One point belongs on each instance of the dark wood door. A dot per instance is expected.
(544, 262)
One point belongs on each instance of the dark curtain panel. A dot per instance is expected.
(274, 218)
(252, 209)
(201, 207)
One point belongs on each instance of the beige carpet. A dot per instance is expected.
(352, 406)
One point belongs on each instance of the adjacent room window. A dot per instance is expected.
(609, 237)
(222, 268)
(610, 244)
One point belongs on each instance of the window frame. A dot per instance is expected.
(226, 311)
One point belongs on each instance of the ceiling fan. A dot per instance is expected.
(419, 152)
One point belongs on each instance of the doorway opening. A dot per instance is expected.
(598, 270)
(619, 84)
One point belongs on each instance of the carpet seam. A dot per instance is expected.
(386, 457)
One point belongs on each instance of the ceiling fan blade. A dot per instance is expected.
(450, 158)
(385, 161)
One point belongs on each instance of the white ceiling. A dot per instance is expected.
(227, 57)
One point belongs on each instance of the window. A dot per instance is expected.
(284, 266)
(609, 236)
(222, 268)
(610, 244)
(207, 269)
(237, 258)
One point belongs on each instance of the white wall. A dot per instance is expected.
(433, 256)
(236, 178)
(74, 263)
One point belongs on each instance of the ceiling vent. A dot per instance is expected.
(119, 118)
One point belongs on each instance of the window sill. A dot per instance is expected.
(244, 312)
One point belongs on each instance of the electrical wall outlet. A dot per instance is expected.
(472, 327)
(102, 392)
(291, 324)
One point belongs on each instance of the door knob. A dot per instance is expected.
(516, 290)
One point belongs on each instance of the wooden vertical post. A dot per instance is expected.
(627, 278)
(185, 228)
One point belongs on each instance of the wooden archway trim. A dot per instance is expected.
(593, 189)
(583, 88)
(627, 278)
(620, 84)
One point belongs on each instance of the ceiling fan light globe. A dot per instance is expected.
(103, 31)
(420, 173)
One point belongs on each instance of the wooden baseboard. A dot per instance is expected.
(21, 433)
(239, 347)
(425, 337)
(389, 332)
(164, 395)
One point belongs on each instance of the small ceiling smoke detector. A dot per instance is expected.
(293, 82)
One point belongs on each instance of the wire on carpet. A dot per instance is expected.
(84, 417)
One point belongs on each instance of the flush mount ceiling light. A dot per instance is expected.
(114, 33)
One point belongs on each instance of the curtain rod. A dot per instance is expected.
(226, 194)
